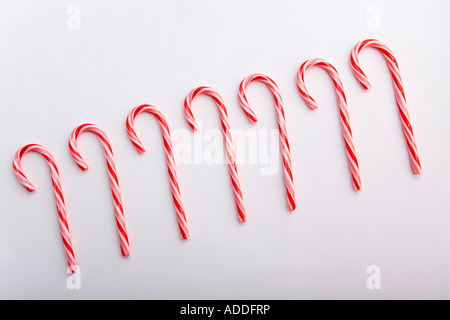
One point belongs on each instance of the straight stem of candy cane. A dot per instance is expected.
(226, 137)
(112, 174)
(59, 197)
(284, 142)
(171, 167)
(343, 111)
(399, 93)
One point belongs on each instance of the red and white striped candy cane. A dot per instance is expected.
(343, 110)
(123, 235)
(284, 142)
(174, 186)
(399, 93)
(227, 140)
(60, 203)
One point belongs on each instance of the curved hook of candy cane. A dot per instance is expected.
(343, 110)
(60, 203)
(112, 174)
(399, 93)
(171, 167)
(227, 140)
(284, 142)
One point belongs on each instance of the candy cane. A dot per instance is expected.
(175, 188)
(114, 182)
(227, 140)
(342, 103)
(60, 203)
(399, 93)
(284, 143)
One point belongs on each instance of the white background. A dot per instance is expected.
(127, 53)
